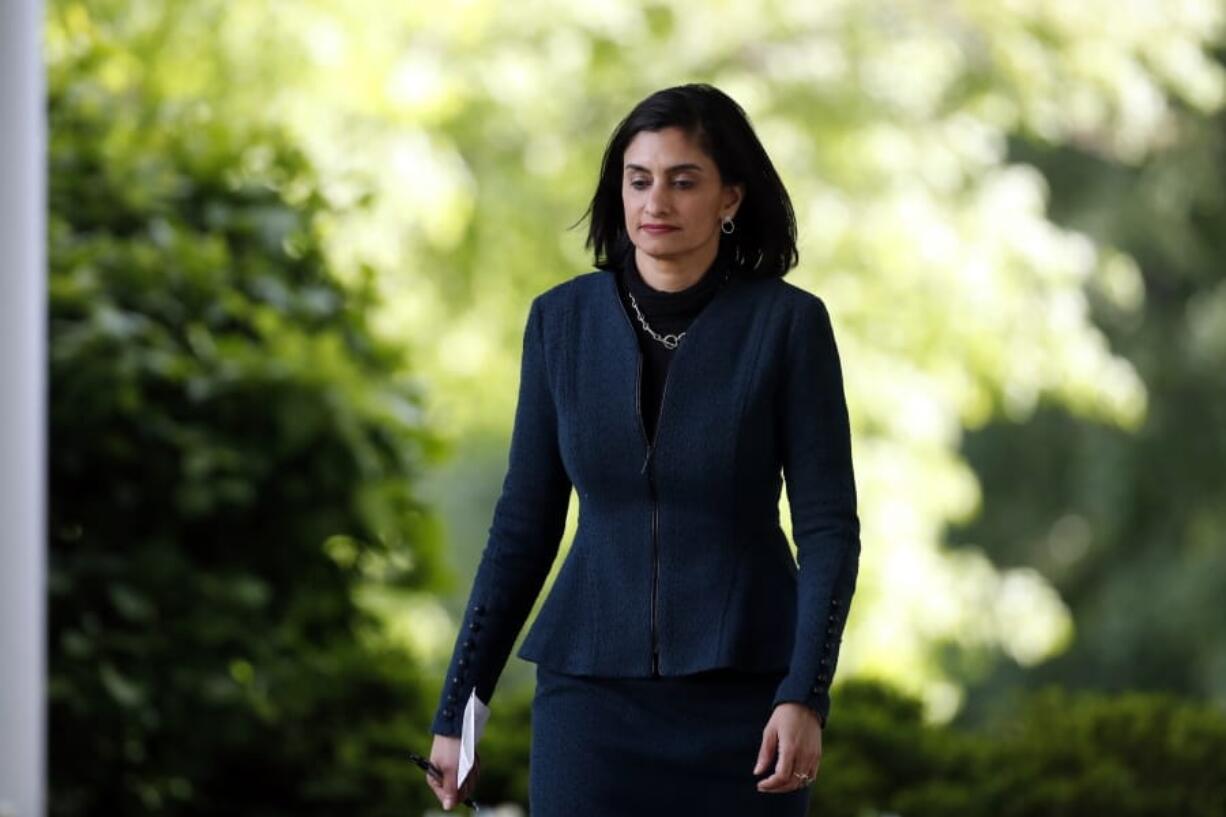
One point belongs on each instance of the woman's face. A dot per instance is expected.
(669, 181)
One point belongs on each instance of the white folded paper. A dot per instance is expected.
(476, 713)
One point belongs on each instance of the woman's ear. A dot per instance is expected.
(733, 195)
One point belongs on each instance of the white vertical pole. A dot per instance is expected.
(23, 324)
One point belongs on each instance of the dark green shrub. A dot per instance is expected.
(1055, 754)
(233, 458)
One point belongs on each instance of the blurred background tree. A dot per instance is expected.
(1014, 211)
(1128, 524)
(233, 473)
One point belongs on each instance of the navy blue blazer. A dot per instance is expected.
(678, 562)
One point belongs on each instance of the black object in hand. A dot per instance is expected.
(430, 769)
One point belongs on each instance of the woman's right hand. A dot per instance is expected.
(445, 754)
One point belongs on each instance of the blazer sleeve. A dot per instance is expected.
(529, 519)
(821, 488)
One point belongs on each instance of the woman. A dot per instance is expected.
(684, 659)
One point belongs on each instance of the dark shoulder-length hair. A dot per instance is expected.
(764, 238)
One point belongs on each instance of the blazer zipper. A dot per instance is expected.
(655, 503)
(655, 524)
(655, 548)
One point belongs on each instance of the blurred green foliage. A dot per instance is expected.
(1129, 526)
(233, 457)
(238, 460)
(958, 299)
(1051, 753)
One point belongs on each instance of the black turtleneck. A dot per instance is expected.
(666, 313)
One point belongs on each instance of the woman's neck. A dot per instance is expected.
(675, 274)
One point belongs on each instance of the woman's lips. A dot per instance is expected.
(656, 229)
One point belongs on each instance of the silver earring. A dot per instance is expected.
(728, 226)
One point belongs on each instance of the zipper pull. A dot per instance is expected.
(646, 459)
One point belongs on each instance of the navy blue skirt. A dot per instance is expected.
(653, 746)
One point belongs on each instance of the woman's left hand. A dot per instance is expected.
(795, 733)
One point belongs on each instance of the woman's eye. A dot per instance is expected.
(683, 184)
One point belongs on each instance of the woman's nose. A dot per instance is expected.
(657, 199)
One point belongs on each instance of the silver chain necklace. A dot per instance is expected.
(670, 340)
